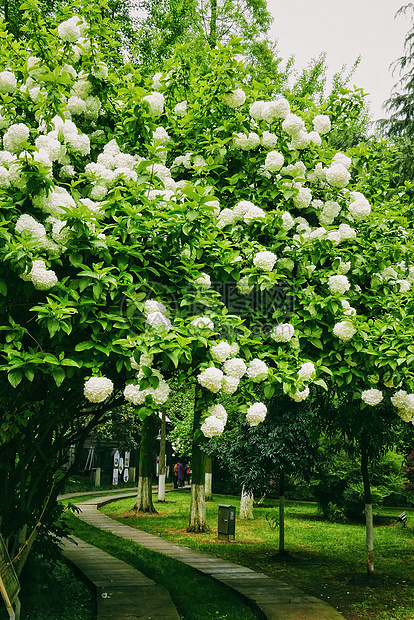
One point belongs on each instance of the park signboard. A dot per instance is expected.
(9, 582)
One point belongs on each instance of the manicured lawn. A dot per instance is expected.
(325, 559)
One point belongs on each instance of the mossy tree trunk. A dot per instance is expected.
(143, 502)
(369, 519)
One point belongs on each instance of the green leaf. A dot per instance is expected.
(58, 375)
(14, 377)
(3, 288)
(83, 346)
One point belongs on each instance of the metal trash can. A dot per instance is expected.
(226, 522)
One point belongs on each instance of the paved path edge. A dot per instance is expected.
(268, 597)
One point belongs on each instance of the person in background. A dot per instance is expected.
(175, 476)
(188, 473)
(181, 475)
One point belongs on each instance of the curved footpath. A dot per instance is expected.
(275, 599)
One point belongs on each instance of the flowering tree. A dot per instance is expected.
(134, 228)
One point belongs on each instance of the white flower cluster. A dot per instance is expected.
(405, 405)
(8, 82)
(300, 395)
(303, 198)
(307, 371)
(257, 370)
(329, 212)
(322, 123)
(372, 397)
(151, 306)
(243, 210)
(269, 140)
(287, 221)
(344, 330)
(181, 109)
(56, 203)
(235, 99)
(156, 103)
(256, 413)
(235, 367)
(221, 352)
(218, 411)
(245, 142)
(269, 111)
(212, 426)
(265, 260)
(338, 284)
(359, 208)
(71, 30)
(243, 286)
(282, 333)
(15, 137)
(337, 176)
(203, 322)
(158, 321)
(42, 278)
(136, 396)
(274, 161)
(204, 280)
(211, 379)
(97, 389)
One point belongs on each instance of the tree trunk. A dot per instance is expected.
(209, 480)
(282, 513)
(369, 520)
(246, 504)
(143, 502)
(161, 469)
(198, 521)
(212, 36)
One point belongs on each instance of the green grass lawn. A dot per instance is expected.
(325, 559)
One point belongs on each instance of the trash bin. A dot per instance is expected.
(226, 522)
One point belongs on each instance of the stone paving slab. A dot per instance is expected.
(123, 593)
(277, 600)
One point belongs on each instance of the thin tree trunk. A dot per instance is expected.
(246, 504)
(212, 37)
(282, 513)
(209, 479)
(161, 468)
(369, 520)
(198, 521)
(143, 502)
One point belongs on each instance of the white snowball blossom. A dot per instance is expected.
(158, 320)
(372, 397)
(212, 426)
(301, 395)
(274, 161)
(229, 384)
(156, 103)
(97, 389)
(256, 413)
(211, 379)
(235, 99)
(221, 351)
(218, 411)
(235, 367)
(203, 322)
(257, 370)
(344, 330)
(322, 123)
(338, 284)
(283, 332)
(337, 176)
(265, 260)
(307, 371)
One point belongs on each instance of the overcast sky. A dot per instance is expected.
(344, 29)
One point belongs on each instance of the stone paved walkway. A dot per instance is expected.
(277, 600)
(123, 593)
